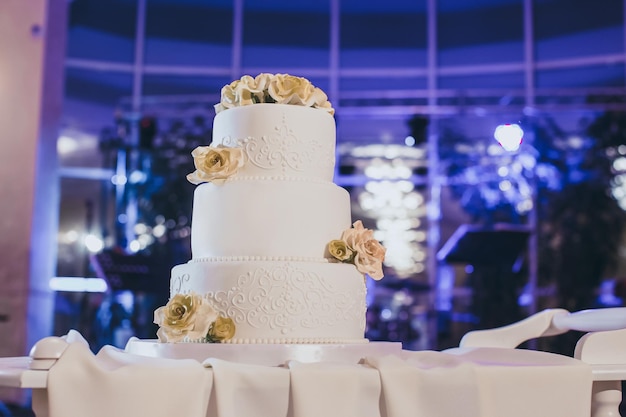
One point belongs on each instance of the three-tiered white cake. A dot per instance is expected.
(275, 256)
(259, 239)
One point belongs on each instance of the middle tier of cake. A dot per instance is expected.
(280, 300)
(268, 217)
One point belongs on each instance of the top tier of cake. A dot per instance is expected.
(279, 141)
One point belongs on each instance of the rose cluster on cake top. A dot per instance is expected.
(273, 88)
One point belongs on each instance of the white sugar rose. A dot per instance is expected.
(244, 91)
(319, 99)
(228, 98)
(215, 164)
(185, 315)
(369, 252)
(356, 233)
(239, 92)
(262, 82)
(250, 90)
(369, 259)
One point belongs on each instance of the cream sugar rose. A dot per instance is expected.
(276, 258)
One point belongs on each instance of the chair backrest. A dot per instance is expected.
(551, 322)
(602, 347)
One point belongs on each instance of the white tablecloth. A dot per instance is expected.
(476, 382)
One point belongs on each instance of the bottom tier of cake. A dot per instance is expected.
(280, 301)
(267, 355)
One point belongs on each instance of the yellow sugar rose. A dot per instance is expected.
(215, 164)
(339, 250)
(222, 329)
(326, 106)
(287, 89)
(185, 315)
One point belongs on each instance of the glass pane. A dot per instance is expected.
(105, 88)
(204, 39)
(90, 105)
(476, 35)
(285, 38)
(383, 58)
(183, 85)
(591, 76)
(102, 30)
(389, 34)
(471, 82)
(81, 213)
(566, 29)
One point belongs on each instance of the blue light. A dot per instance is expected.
(509, 136)
(119, 179)
(78, 284)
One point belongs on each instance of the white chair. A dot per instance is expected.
(603, 347)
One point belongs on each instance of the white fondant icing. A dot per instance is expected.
(281, 301)
(259, 238)
(267, 218)
(279, 139)
(268, 355)
(273, 178)
(262, 258)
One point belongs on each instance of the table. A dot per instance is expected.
(484, 376)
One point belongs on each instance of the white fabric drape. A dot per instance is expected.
(480, 382)
(116, 383)
(248, 390)
(334, 389)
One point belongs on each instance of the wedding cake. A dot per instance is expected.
(276, 258)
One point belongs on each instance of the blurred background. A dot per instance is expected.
(484, 141)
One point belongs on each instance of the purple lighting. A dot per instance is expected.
(509, 136)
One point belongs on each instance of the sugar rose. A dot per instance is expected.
(339, 250)
(262, 83)
(228, 97)
(249, 90)
(222, 329)
(369, 258)
(238, 93)
(272, 88)
(356, 233)
(243, 92)
(185, 315)
(369, 252)
(319, 99)
(215, 164)
(287, 89)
